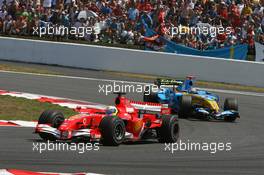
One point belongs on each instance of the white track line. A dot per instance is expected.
(6, 172)
(129, 82)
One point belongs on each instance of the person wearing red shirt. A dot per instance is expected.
(250, 36)
(233, 8)
(144, 6)
(221, 39)
(161, 15)
(117, 11)
(234, 18)
(91, 6)
(223, 12)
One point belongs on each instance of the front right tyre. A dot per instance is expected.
(149, 95)
(231, 104)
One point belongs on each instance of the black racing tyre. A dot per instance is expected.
(169, 130)
(54, 118)
(229, 119)
(149, 95)
(113, 131)
(185, 106)
(231, 104)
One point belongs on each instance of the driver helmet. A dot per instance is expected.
(111, 110)
(193, 90)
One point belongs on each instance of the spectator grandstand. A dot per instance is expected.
(121, 21)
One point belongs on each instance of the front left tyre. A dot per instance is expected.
(52, 118)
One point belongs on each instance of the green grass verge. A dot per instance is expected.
(17, 108)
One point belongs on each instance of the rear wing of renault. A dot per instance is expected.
(168, 82)
(183, 85)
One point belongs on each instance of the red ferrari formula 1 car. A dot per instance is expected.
(126, 121)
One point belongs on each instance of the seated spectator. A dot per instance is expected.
(133, 13)
(125, 21)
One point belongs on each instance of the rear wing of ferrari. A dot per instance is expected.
(151, 108)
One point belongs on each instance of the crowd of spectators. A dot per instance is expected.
(121, 21)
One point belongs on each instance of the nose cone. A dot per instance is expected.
(67, 126)
(64, 127)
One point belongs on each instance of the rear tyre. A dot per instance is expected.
(112, 130)
(149, 95)
(185, 106)
(169, 130)
(231, 104)
(53, 118)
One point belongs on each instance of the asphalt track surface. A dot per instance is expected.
(246, 136)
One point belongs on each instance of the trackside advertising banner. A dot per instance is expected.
(238, 52)
(259, 52)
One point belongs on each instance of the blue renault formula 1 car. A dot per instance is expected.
(189, 102)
